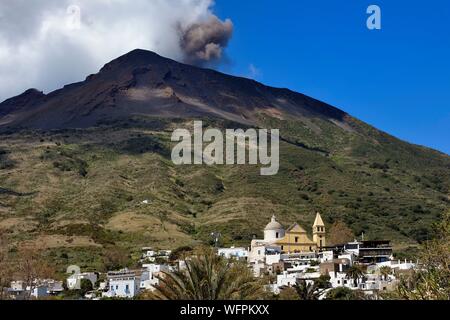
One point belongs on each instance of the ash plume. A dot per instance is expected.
(45, 45)
(204, 42)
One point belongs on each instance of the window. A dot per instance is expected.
(127, 288)
(277, 235)
(296, 239)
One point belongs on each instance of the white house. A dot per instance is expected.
(148, 281)
(299, 259)
(287, 279)
(237, 253)
(310, 275)
(326, 256)
(39, 292)
(350, 256)
(156, 268)
(396, 264)
(17, 290)
(53, 287)
(148, 253)
(262, 255)
(123, 284)
(257, 252)
(339, 279)
(298, 268)
(149, 277)
(74, 281)
(39, 289)
(272, 258)
(17, 286)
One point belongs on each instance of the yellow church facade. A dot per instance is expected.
(296, 238)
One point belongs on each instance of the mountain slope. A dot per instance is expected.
(77, 164)
(141, 82)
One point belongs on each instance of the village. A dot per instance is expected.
(286, 256)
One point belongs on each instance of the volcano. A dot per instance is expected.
(144, 83)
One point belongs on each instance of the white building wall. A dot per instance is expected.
(149, 278)
(155, 268)
(39, 292)
(339, 279)
(287, 279)
(272, 258)
(74, 281)
(326, 256)
(396, 264)
(124, 288)
(239, 253)
(271, 236)
(257, 253)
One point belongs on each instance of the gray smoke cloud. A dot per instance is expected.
(205, 41)
(45, 44)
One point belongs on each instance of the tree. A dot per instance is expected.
(180, 253)
(340, 233)
(31, 268)
(312, 290)
(208, 276)
(5, 266)
(431, 280)
(344, 293)
(385, 271)
(355, 273)
(85, 286)
(307, 290)
(323, 282)
(288, 294)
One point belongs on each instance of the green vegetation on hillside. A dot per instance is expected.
(79, 194)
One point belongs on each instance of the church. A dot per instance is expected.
(279, 242)
(295, 239)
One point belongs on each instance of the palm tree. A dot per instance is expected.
(208, 276)
(308, 290)
(344, 293)
(385, 271)
(355, 272)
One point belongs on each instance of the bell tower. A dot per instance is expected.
(319, 232)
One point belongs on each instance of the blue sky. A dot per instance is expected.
(397, 79)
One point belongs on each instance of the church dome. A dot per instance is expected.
(273, 225)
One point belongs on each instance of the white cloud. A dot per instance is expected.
(41, 48)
